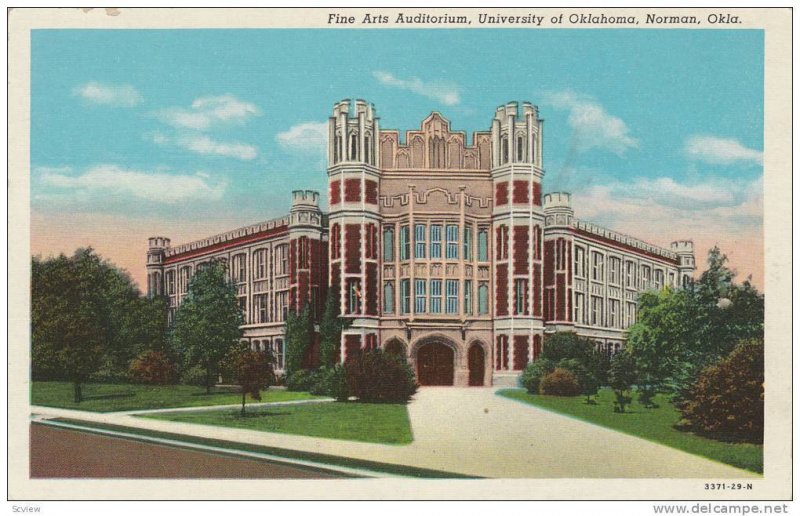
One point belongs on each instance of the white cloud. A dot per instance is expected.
(445, 92)
(206, 112)
(305, 137)
(592, 125)
(112, 180)
(720, 151)
(204, 145)
(123, 95)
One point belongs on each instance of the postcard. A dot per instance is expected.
(350, 253)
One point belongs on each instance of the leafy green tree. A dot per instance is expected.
(299, 334)
(566, 344)
(533, 373)
(208, 321)
(621, 377)
(578, 355)
(330, 329)
(71, 319)
(251, 370)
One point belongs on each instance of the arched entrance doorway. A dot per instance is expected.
(477, 365)
(435, 364)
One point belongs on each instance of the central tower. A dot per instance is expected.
(354, 183)
(518, 222)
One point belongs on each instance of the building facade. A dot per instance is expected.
(439, 248)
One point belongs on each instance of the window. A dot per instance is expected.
(388, 244)
(281, 306)
(405, 296)
(520, 148)
(579, 300)
(521, 296)
(502, 242)
(483, 245)
(336, 146)
(282, 258)
(335, 241)
(388, 297)
(452, 242)
(630, 274)
(659, 278)
(483, 299)
(170, 283)
(183, 280)
(353, 296)
(631, 316)
(645, 278)
(353, 147)
(580, 266)
(597, 266)
(419, 296)
(366, 149)
(504, 147)
(451, 287)
(405, 243)
(436, 296)
(261, 308)
(260, 263)
(597, 311)
(613, 313)
(468, 297)
(467, 243)
(614, 270)
(277, 350)
(419, 241)
(436, 242)
(672, 279)
(243, 307)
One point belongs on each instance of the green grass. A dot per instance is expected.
(652, 424)
(104, 397)
(368, 422)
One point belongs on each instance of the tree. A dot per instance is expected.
(299, 333)
(153, 367)
(79, 306)
(533, 373)
(566, 344)
(727, 399)
(251, 370)
(621, 377)
(578, 355)
(208, 322)
(330, 329)
(378, 377)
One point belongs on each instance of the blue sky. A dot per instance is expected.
(164, 129)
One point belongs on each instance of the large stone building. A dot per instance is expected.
(440, 248)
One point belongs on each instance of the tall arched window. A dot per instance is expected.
(504, 149)
(388, 298)
(337, 149)
(483, 299)
(353, 147)
(520, 149)
(367, 147)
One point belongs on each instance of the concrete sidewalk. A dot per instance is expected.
(472, 431)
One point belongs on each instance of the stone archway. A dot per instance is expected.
(435, 363)
(476, 361)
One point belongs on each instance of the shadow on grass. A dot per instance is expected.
(119, 395)
(256, 415)
(215, 393)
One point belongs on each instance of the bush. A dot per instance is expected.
(532, 375)
(621, 377)
(300, 380)
(560, 382)
(727, 399)
(195, 375)
(380, 377)
(331, 381)
(153, 367)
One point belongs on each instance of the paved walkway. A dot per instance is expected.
(475, 432)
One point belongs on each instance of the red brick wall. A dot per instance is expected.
(537, 194)
(352, 345)
(352, 190)
(335, 241)
(560, 296)
(335, 192)
(537, 346)
(501, 352)
(370, 192)
(501, 289)
(352, 247)
(501, 193)
(537, 290)
(520, 352)
(502, 242)
(521, 250)
(521, 192)
(371, 289)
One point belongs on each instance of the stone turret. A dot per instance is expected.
(517, 135)
(686, 264)
(156, 247)
(558, 209)
(305, 210)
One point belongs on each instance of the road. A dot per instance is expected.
(62, 453)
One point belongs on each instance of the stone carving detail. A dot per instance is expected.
(483, 272)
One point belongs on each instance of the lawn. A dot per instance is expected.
(368, 422)
(652, 424)
(104, 397)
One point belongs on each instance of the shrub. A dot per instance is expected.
(331, 381)
(532, 375)
(153, 367)
(195, 375)
(250, 370)
(380, 377)
(621, 377)
(300, 380)
(727, 399)
(560, 382)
